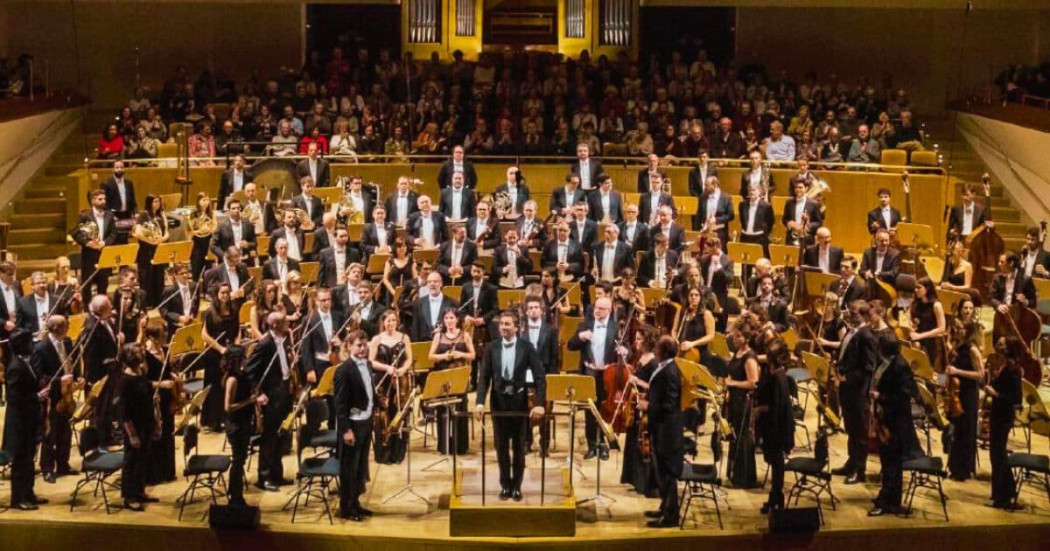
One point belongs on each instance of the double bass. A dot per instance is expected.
(985, 247)
(1024, 323)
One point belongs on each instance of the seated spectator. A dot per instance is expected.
(639, 142)
(370, 142)
(849, 124)
(154, 125)
(824, 128)
(779, 146)
(343, 142)
(800, 123)
(909, 136)
(586, 135)
(142, 146)
(694, 142)
(202, 145)
(534, 118)
(127, 123)
(864, 149)
(884, 131)
(533, 142)
(831, 151)
(480, 141)
(611, 128)
(806, 149)
(111, 144)
(265, 124)
(751, 142)
(583, 117)
(666, 142)
(563, 144)
(319, 119)
(314, 136)
(284, 143)
(396, 145)
(430, 141)
(293, 122)
(505, 144)
(727, 142)
(228, 140)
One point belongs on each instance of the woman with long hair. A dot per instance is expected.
(774, 418)
(267, 299)
(637, 469)
(967, 367)
(295, 300)
(1005, 390)
(741, 382)
(452, 347)
(221, 329)
(203, 210)
(928, 322)
(151, 229)
(136, 414)
(390, 352)
(64, 288)
(162, 450)
(552, 295)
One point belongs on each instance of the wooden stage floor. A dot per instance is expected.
(409, 523)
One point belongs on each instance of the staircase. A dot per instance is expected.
(966, 166)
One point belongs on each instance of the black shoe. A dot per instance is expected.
(604, 454)
(49, 478)
(134, 506)
(844, 470)
(516, 494)
(654, 514)
(267, 486)
(590, 454)
(855, 478)
(26, 506)
(504, 494)
(662, 522)
(148, 499)
(364, 512)
(40, 500)
(352, 515)
(284, 482)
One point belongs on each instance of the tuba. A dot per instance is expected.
(346, 211)
(253, 213)
(817, 190)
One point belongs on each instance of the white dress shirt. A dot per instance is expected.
(967, 219)
(507, 354)
(598, 336)
(187, 299)
(427, 230)
(366, 376)
(608, 263)
(293, 244)
(824, 259)
(585, 175)
(401, 216)
(231, 274)
(752, 213)
(457, 204)
(435, 308)
(100, 221)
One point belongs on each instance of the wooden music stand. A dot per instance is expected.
(819, 283)
(326, 386)
(719, 347)
(918, 236)
(255, 273)
(308, 243)
(818, 367)
(309, 271)
(172, 253)
(950, 299)
(653, 296)
(328, 195)
(745, 253)
(790, 336)
(571, 389)
(454, 292)
(783, 255)
(1042, 290)
(430, 256)
(354, 232)
(444, 384)
(934, 268)
(686, 205)
(421, 356)
(187, 339)
(507, 297)
(377, 263)
(262, 246)
(919, 363)
(76, 325)
(115, 256)
(244, 316)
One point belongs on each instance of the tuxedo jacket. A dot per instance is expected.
(467, 257)
(223, 239)
(490, 239)
(640, 240)
(422, 325)
(522, 194)
(677, 236)
(877, 222)
(590, 233)
(509, 394)
(811, 209)
(745, 181)
(263, 366)
(88, 256)
(470, 174)
(573, 256)
(415, 226)
(595, 168)
(537, 227)
(1041, 259)
(300, 237)
(811, 257)
(466, 205)
(859, 358)
(227, 181)
(486, 305)
(643, 180)
(100, 344)
(622, 257)
(890, 264)
(369, 320)
(217, 274)
(316, 207)
(955, 219)
(645, 205)
(720, 280)
(577, 344)
(647, 267)
(665, 418)
(546, 345)
(698, 177)
(370, 238)
(271, 269)
(597, 212)
(315, 343)
(763, 217)
(391, 206)
(499, 261)
(1022, 285)
(329, 275)
(302, 169)
(25, 311)
(560, 199)
(351, 393)
(723, 211)
(46, 361)
(856, 290)
(173, 304)
(113, 197)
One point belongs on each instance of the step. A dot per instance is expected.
(28, 236)
(1001, 202)
(50, 205)
(1005, 214)
(22, 221)
(1013, 243)
(26, 266)
(1011, 229)
(61, 170)
(33, 191)
(41, 250)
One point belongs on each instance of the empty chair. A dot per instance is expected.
(206, 471)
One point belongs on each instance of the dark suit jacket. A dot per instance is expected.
(369, 323)
(857, 290)
(696, 179)
(955, 219)
(622, 257)
(677, 235)
(811, 258)
(573, 256)
(643, 180)
(488, 240)
(222, 239)
(1042, 258)
(466, 206)
(46, 362)
(522, 195)
(99, 345)
(173, 305)
(595, 169)
(590, 233)
(467, 257)
(584, 347)
(647, 267)
(665, 418)
(490, 373)
(860, 356)
(470, 175)
(890, 264)
(317, 207)
(560, 199)
(217, 274)
(315, 343)
(300, 236)
(25, 311)
(88, 256)
(812, 209)
(645, 202)
(721, 279)
(745, 181)
(415, 226)
(328, 276)
(422, 326)
(226, 184)
(876, 221)
(763, 217)
(499, 261)
(487, 302)
(597, 213)
(263, 366)
(113, 198)
(546, 345)
(776, 311)
(271, 268)
(370, 239)
(731, 147)
(723, 214)
(302, 169)
(538, 228)
(1022, 285)
(350, 394)
(641, 236)
(391, 206)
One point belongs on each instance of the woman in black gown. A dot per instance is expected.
(775, 421)
(1005, 390)
(399, 269)
(694, 330)
(391, 354)
(893, 390)
(151, 278)
(162, 450)
(203, 216)
(452, 347)
(136, 415)
(638, 470)
(221, 329)
(967, 367)
(928, 323)
(741, 381)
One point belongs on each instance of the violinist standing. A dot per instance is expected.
(774, 418)
(49, 355)
(269, 369)
(595, 339)
(240, 423)
(893, 390)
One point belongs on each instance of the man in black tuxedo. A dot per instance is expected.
(675, 233)
(34, 309)
(715, 210)
(457, 202)
(532, 232)
(354, 404)
(324, 236)
(801, 216)
(294, 236)
(881, 261)
(776, 309)
(563, 253)
(456, 256)
(504, 365)
(363, 200)
(278, 266)
(516, 189)
(970, 215)
(10, 293)
(95, 283)
(309, 202)
(510, 263)
(823, 255)
(368, 310)
(458, 165)
(427, 226)
(563, 198)
(654, 197)
(582, 229)
(269, 368)
(483, 228)
(335, 259)
(402, 203)
(611, 256)
(541, 335)
(757, 175)
(99, 338)
(606, 204)
(233, 180)
(803, 175)
(21, 420)
(850, 287)
(179, 305)
(884, 216)
(231, 271)
(658, 265)
(428, 308)
(1035, 262)
(49, 354)
(651, 171)
(234, 231)
(378, 235)
(756, 221)
(481, 299)
(699, 174)
(665, 431)
(586, 168)
(858, 356)
(323, 334)
(717, 270)
(633, 231)
(1010, 285)
(595, 340)
(313, 166)
(120, 194)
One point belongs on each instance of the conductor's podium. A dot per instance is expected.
(552, 514)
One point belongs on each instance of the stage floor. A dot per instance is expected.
(408, 522)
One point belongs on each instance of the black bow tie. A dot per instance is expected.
(508, 345)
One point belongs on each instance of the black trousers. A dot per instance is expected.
(1002, 477)
(270, 466)
(891, 459)
(853, 395)
(509, 433)
(239, 437)
(55, 449)
(666, 483)
(22, 447)
(774, 457)
(136, 465)
(353, 465)
(211, 410)
(595, 437)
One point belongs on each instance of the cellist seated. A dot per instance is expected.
(1010, 285)
(881, 260)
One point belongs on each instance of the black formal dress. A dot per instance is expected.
(151, 277)
(136, 409)
(162, 450)
(924, 319)
(1004, 407)
(239, 427)
(392, 450)
(460, 437)
(962, 457)
(638, 471)
(741, 469)
(224, 329)
(775, 427)
(267, 372)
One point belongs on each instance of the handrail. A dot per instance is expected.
(1009, 161)
(17, 158)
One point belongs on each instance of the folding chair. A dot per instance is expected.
(925, 472)
(314, 479)
(703, 481)
(98, 465)
(207, 471)
(812, 474)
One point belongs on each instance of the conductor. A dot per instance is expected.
(504, 365)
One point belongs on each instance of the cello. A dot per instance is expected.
(615, 379)
(1024, 323)
(985, 246)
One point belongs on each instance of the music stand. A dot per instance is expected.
(309, 270)
(574, 390)
(446, 388)
(262, 245)
(951, 299)
(510, 297)
(255, 274)
(430, 256)
(454, 292)
(115, 256)
(917, 236)
(421, 356)
(408, 488)
(783, 255)
(599, 498)
(746, 253)
(376, 263)
(1042, 290)
(819, 283)
(328, 195)
(919, 363)
(354, 232)
(172, 253)
(308, 243)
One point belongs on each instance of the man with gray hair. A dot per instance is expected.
(100, 339)
(269, 369)
(49, 354)
(33, 310)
